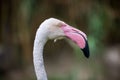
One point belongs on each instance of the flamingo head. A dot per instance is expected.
(57, 29)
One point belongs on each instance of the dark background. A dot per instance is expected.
(99, 19)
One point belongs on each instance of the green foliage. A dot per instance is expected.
(96, 23)
(70, 76)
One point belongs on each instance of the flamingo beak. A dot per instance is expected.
(78, 37)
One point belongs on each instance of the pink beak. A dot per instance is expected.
(78, 37)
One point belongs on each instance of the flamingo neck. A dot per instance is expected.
(39, 43)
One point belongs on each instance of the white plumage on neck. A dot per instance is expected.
(47, 30)
(39, 43)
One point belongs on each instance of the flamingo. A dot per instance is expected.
(53, 28)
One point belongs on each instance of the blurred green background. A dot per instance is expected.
(99, 19)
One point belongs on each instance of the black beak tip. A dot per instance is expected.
(86, 53)
(86, 50)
